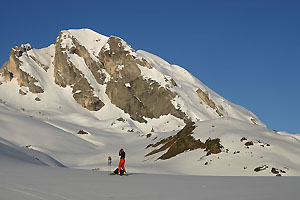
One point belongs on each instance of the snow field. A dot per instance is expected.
(36, 182)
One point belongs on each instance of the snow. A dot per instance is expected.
(186, 87)
(12, 154)
(36, 182)
(28, 65)
(1, 79)
(56, 135)
(230, 131)
(27, 176)
(92, 40)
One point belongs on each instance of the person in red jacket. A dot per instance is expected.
(122, 161)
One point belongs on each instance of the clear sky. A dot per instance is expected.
(248, 51)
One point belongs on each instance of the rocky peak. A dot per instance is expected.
(66, 73)
(13, 69)
(25, 47)
(120, 60)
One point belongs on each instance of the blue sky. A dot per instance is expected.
(246, 51)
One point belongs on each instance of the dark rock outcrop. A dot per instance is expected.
(184, 141)
(82, 132)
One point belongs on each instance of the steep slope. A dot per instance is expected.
(167, 120)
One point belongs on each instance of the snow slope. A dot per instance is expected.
(11, 155)
(57, 136)
(25, 177)
(40, 183)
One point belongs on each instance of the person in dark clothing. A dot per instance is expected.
(122, 161)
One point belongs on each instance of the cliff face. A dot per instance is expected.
(12, 69)
(128, 89)
(67, 74)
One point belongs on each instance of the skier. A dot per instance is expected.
(122, 161)
(109, 163)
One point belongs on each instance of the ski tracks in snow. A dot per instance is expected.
(34, 194)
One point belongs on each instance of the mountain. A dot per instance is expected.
(86, 96)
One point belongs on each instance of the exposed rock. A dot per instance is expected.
(257, 142)
(173, 83)
(121, 119)
(120, 54)
(11, 69)
(39, 63)
(148, 146)
(253, 121)
(184, 141)
(145, 97)
(83, 94)
(205, 98)
(236, 152)
(25, 48)
(95, 67)
(213, 146)
(258, 169)
(5, 73)
(21, 92)
(277, 172)
(37, 99)
(82, 132)
(250, 143)
(263, 144)
(65, 73)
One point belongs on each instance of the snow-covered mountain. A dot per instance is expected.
(86, 96)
